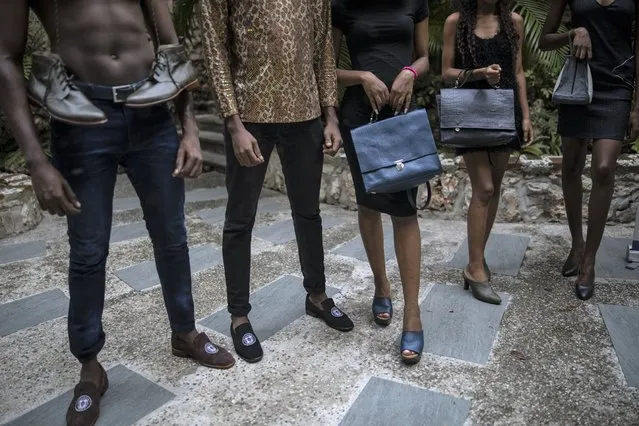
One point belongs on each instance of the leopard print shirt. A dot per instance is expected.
(270, 61)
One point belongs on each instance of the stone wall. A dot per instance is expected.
(531, 191)
(19, 209)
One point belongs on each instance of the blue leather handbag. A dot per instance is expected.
(396, 154)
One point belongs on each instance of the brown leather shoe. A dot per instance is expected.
(84, 409)
(172, 73)
(202, 351)
(51, 87)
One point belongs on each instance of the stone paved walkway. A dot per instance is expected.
(542, 357)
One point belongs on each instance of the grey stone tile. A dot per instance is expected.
(457, 325)
(22, 251)
(144, 275)
(385, 402)
(32, 310)
(622, 323)
(130, 397)
(273, 307)
(124, 204)
(194, 196)
(206, 194)
(355, 247)
(212, 216)
(283, 232)
(130, 231)
(215, 216)
(611, 260)
(504, 254)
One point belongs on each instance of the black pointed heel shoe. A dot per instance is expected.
(584, 290)
(571, 266)
(481, 290)
(487, 269)
(382, 305)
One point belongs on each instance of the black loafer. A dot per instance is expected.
(331, 314)
(246, 344)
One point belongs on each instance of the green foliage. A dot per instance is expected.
(183, 16)
(533, 13)
(11, 159)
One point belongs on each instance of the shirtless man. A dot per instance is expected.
(104, 43)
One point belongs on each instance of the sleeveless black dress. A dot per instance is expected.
(494, 50)
(380, 39)
(613, 72)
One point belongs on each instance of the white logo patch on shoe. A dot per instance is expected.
(209, 348)
(83, 403)
(336, 312)
(248, 339)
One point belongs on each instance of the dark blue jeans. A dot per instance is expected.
(145, 142)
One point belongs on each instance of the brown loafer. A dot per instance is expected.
(84, 409)
(202, 351)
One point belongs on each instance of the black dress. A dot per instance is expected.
(380, 39)
(613, 72)
(489, 51)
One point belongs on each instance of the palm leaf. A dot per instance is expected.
(183, 16)
(534, 14)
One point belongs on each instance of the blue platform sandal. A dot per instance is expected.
(412, 341)
(382, 305)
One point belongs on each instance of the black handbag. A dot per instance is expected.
(476, 118)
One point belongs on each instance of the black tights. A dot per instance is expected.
(604, 160)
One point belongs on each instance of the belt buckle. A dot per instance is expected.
(119, 97)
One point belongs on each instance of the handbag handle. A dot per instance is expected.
(466, 73)
(375, 117)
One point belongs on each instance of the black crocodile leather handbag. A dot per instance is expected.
(476, 118)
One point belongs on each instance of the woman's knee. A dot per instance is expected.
(404, 221)
(484, 192)
(603, 173)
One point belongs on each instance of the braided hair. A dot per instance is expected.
(466, 40)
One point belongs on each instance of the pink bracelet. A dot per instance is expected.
(411, 69)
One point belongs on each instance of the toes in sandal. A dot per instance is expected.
(84, 409)
(412, 341)
(246, 344)
(382, 305)
(202, 351)
(331, 314)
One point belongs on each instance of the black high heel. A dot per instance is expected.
(571, 267)
(487, 270)
(481, 290)
(584, 291)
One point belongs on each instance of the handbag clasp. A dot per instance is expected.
(399, 165)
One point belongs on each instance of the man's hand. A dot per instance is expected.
(528, 131)
(246, 149)
(332, 137)
(376, 91)
(188, 164)
(402, 92)
(53, 191)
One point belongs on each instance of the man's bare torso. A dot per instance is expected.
(100, 41)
